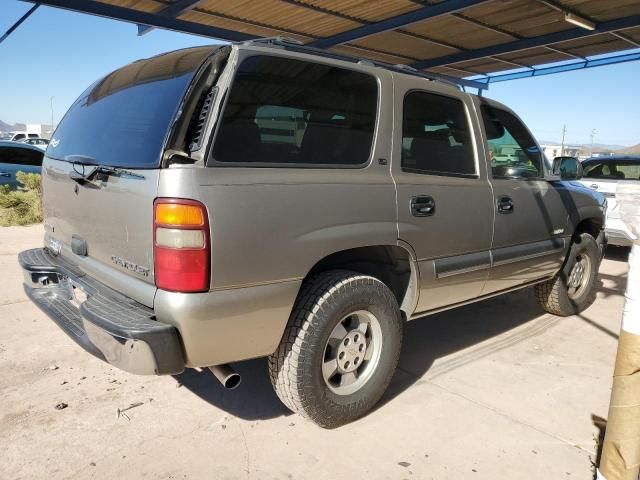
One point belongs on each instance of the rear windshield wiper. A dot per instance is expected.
(116, 172)
(88, 178)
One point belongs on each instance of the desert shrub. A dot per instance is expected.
(21, 206)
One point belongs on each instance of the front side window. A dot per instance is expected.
(512, 150)
(285, 111)
(435, 136)
(612, 170)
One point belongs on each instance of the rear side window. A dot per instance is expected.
(435, 136)
(512, 150)
(282, 111)
(33, 135)
(612, 170)
(21, 156)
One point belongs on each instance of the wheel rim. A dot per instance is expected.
(578, 280)
(352, 352)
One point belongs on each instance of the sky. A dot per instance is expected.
(57, 53)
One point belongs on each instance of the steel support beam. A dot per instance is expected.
(134, 16)
(569, 67)
(526, 43)
(171, 11)
(627, 39)
(424, 13)
(19, 22)
(514, 36)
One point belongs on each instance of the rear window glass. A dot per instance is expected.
(612, 170)
(123, 119)
(285, 111)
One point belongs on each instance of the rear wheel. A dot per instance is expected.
(340, 348)
(573, 289)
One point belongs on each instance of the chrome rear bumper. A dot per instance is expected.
(105, 323)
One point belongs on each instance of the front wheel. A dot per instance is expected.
(340, 348)
(573, 289)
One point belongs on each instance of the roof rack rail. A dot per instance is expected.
(276, 40)
(296, 45)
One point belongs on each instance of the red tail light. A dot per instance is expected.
(181, 246)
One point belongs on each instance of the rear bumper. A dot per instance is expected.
(618, 233)
(106, 324)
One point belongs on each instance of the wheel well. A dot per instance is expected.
(590, 226)
(390, 264)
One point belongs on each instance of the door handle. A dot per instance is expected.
(5, 174)
(423, 206)
(505, 205)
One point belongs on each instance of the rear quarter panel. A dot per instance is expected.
(269, 227)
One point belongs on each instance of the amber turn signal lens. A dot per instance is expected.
(177, 214)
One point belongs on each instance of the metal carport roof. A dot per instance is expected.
(459, 38)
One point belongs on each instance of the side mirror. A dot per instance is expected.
(568, 168)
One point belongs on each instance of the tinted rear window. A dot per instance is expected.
(123, 119)
(285, 111)
(21, 156)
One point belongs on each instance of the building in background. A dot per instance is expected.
(41, 129)
(553, 150)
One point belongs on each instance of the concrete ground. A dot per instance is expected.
(494, 390)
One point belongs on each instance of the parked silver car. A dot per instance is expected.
(604, 174)
(222, 203)
(37, 142)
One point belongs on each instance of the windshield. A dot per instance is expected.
(123, 119)
(613, 170)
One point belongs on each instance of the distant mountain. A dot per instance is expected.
(596, 146)
(634, 150)
(5, 127)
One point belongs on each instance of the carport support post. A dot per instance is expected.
(621, 448)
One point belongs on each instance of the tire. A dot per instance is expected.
(559, 295)
(312, 338)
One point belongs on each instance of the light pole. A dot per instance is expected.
(52, 125)
(592, 135)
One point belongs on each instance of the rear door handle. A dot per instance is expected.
(505, 205)
(423, 206)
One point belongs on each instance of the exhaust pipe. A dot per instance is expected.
(226, 375)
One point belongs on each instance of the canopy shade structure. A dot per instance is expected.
(456, 38)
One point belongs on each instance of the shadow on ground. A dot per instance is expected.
(617, 254)
(437, 336)
(444, 334)
(254, 399)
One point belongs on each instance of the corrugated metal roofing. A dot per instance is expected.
(465, 38)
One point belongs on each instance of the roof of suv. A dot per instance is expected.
(295, 46)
